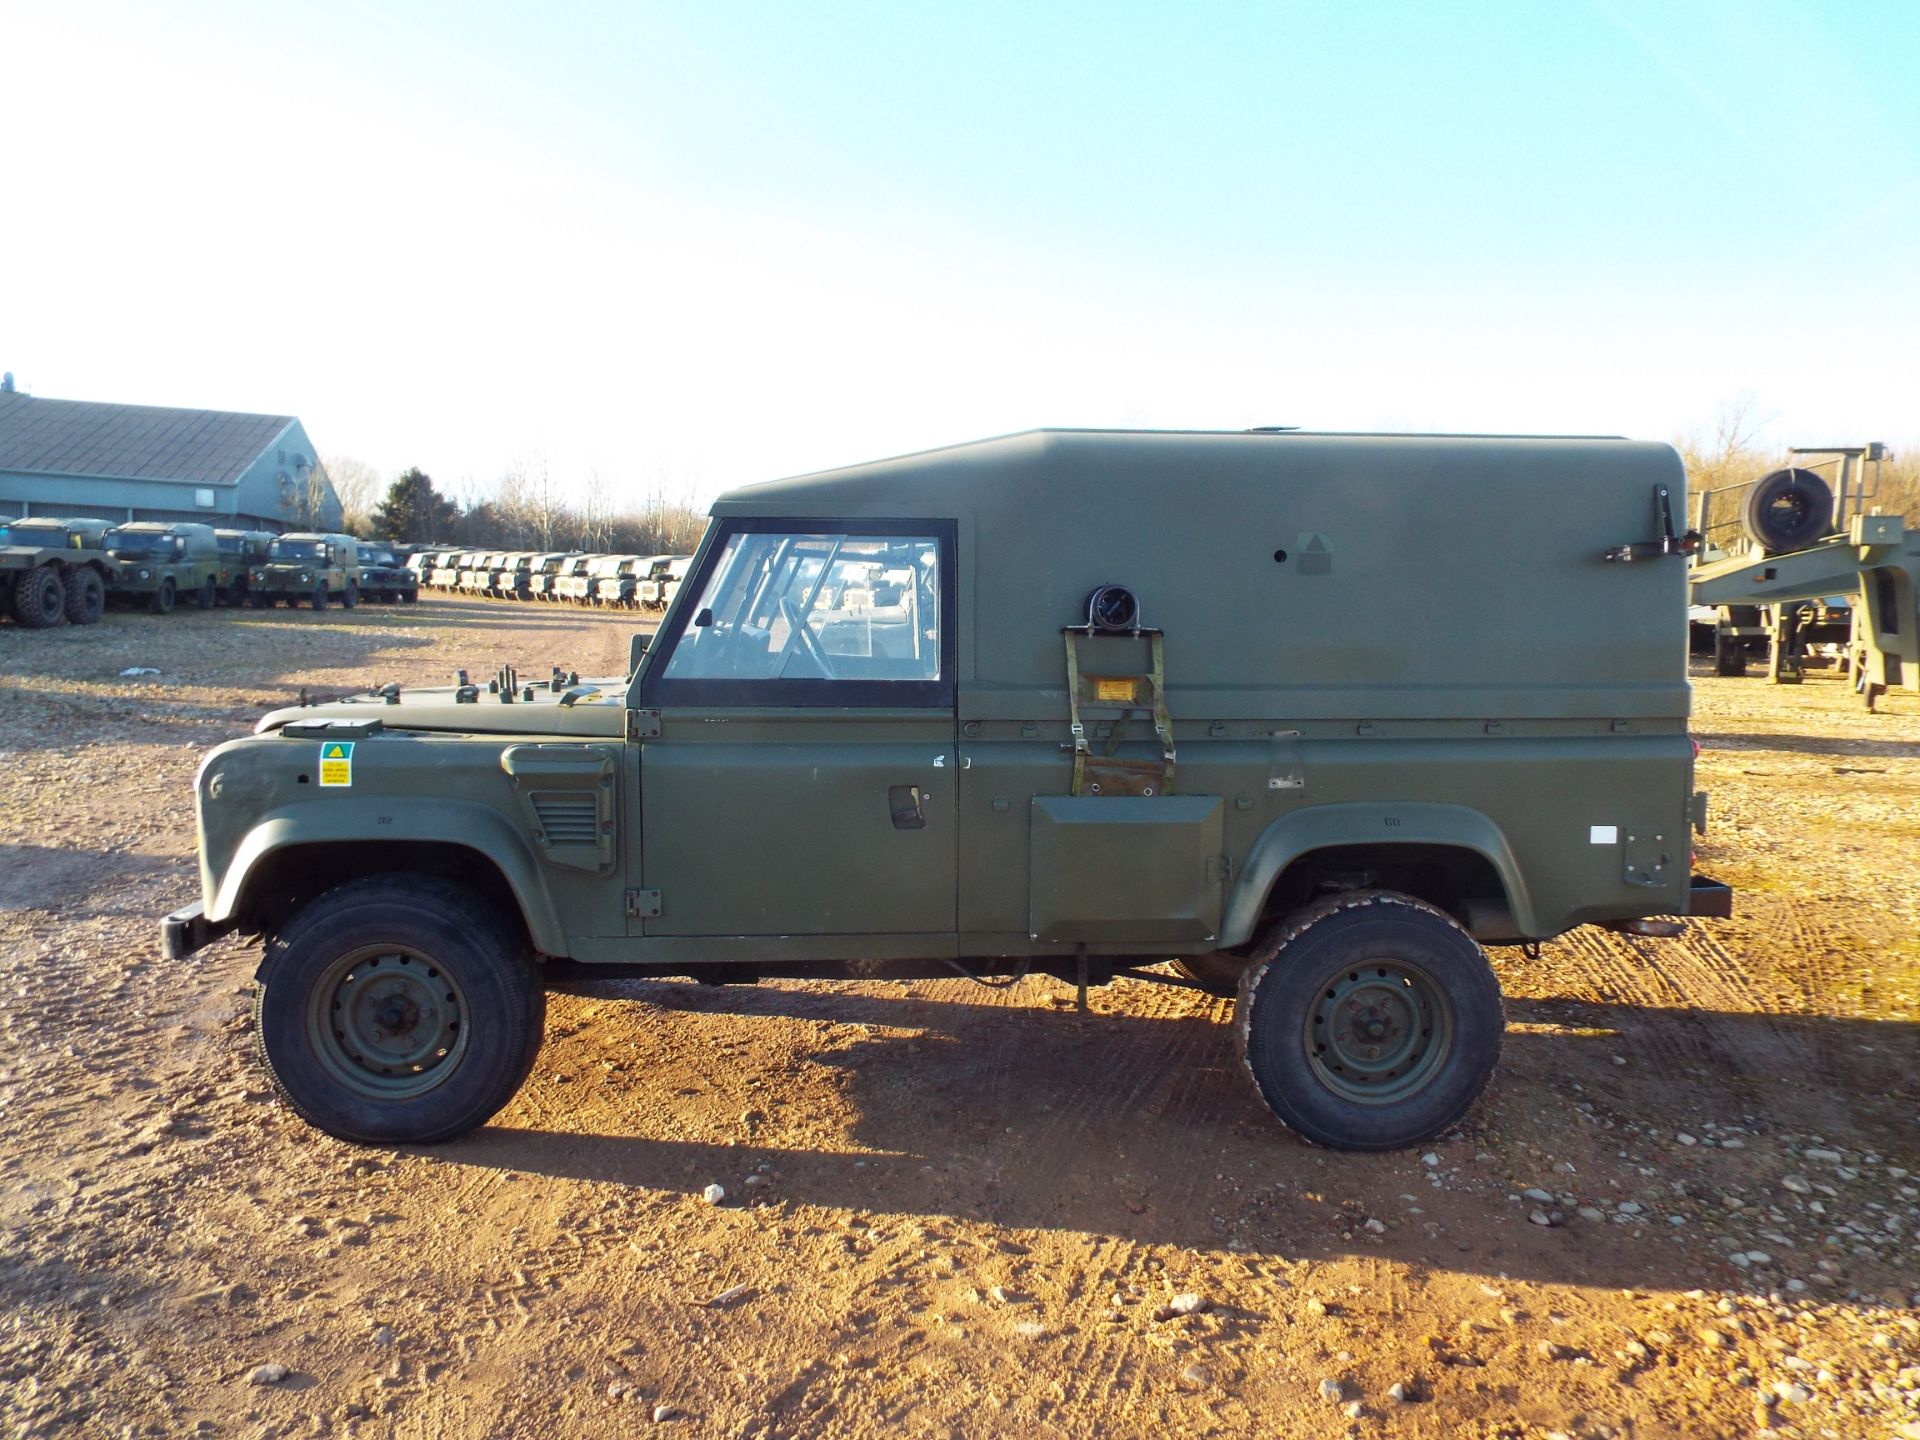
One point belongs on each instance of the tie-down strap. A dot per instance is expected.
(1120, 695)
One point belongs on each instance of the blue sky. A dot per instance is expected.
(696, 245)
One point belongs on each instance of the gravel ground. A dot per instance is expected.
(1689, 1205)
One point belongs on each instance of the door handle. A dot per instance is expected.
(907, 805)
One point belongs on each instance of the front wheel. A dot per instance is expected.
(350, 597)
(163, 598)
(319, 597)
(1369, 1021)
(398, 1010)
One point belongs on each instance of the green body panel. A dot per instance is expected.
(406, 787)
(1370, 664)
(194, 563)
(782, 823)
(1121, 870)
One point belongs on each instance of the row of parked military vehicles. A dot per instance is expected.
(633, 582)
(54, 569)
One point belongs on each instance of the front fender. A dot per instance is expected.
(353, 820)
(1318, 827)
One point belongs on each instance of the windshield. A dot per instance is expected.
(377, 557)
(231, 544)
(144, 543)
(284, 549)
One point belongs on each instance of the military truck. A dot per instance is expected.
(384, 576)
(573, 580)
(616, 587)
(241, 553)
(307, 566)
(668, 583)
(542, 573)
(511, 577)
(1082, 704)
(160, 564)
(50, 568)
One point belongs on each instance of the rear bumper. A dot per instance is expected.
(188, 930)
(1709, 898)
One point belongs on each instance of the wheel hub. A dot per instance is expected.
(387, 1023)
(1378, 1032)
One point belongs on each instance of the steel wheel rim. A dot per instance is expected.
(388, 1023)
(1378, 1032)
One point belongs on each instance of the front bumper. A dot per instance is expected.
(188, 930)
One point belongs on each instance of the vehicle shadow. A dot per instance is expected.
(1811, 745)
(1145, 1128)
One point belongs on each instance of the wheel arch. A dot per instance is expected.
(1454, 837)
(287, 860)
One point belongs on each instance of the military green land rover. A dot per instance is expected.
(161, 565)
(1222, 710)
(312, 567)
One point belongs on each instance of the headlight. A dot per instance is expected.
(305, 576)
(146, 574)
(261, 576)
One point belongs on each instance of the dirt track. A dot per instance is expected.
(950, 1211)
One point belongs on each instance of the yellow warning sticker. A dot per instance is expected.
(1119, 690)
(336, 762)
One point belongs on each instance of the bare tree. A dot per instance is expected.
(595, 528)
(358, 487)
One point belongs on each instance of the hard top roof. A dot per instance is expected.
(985, 473)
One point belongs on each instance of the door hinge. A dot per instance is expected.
(643, 724)
(643, 904)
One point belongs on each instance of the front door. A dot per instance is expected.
(803, 778)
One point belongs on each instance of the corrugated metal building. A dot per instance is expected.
(148, 462)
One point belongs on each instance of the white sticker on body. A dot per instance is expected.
(1603, 834)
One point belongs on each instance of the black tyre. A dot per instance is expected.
(407, 597)
(350, 597)
(39, 598)
(260, 600)
(1729, 656)
(319, 601)
(1218, 971)
(1369, 1021)
(1788, 509)
(162, 600)
(398, 1010)
(86, 597)
(7, 590)
(236, 593)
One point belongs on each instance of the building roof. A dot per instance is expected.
(131, 442)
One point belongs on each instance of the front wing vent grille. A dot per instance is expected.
(568, 817)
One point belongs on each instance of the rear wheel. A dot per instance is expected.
(205, 597)
(39, 598)
(86, 597)
(1369, 1021)
(163, 598)
(399, 1010)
